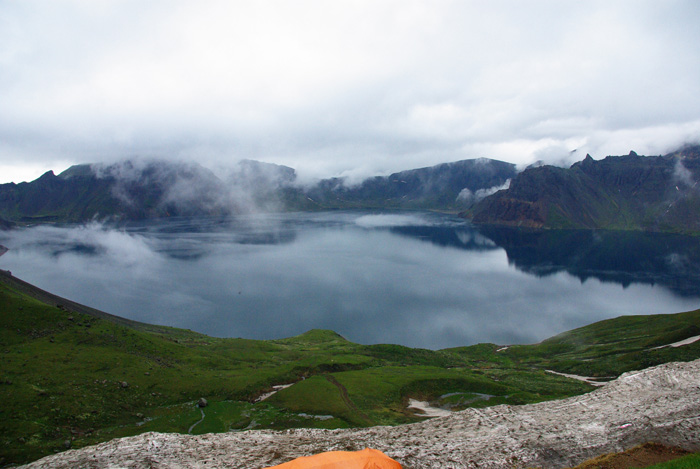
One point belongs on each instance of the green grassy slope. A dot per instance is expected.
(73, 376)
(604, 349)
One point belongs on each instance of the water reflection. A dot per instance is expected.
(419, 279)
(462, 237)
(622, 257)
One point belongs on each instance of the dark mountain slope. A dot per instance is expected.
(656, 193)
(159, 188)
(446, 186)
(141, 190)
(85, 191)
(51, 198)
(152, 189)
(5, 224)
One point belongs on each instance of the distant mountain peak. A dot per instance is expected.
(47, 175)
(691, 151)
(536, 164)
(255, 172)
(587, 162)
(77, 171)
(631, 192)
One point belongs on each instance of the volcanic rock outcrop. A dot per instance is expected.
(632, 192)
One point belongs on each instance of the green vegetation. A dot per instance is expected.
(73, 376)
(691, 461)
(609, 348)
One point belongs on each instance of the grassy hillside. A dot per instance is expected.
(74, 376)
(604, 349)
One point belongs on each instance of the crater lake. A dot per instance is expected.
(419, 279)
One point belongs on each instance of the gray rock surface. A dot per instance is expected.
(660, 404)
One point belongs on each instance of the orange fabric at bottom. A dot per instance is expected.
(365, 459)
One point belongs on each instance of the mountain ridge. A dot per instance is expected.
(630, 192)
(447, 186)
(143, 189)
(654, 193)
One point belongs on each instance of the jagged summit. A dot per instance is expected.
(587, 161)
(78, 170)
(657, 193)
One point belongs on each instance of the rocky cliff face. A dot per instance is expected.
(660, 404)
(658, 193)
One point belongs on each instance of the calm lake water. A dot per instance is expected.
(418, 279)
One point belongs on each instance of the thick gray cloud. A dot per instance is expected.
(344, 87)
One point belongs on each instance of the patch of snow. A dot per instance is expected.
(275, 390)
(680, 343)
(317, 417)
(586, 379)
(426, 410)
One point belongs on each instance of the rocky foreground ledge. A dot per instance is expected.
(660, 404)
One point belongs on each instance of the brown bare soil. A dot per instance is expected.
(640, 456)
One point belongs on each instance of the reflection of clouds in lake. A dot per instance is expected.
(474, 238)
(114, 246)
(623, 257)
(385, 221)
(678, 262)
(371, 286)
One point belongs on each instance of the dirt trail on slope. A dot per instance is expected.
(660, 404)
(197, 422)
(346, 398)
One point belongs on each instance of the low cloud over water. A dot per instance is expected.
(417, 279)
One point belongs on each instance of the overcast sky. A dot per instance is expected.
(335, 87)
